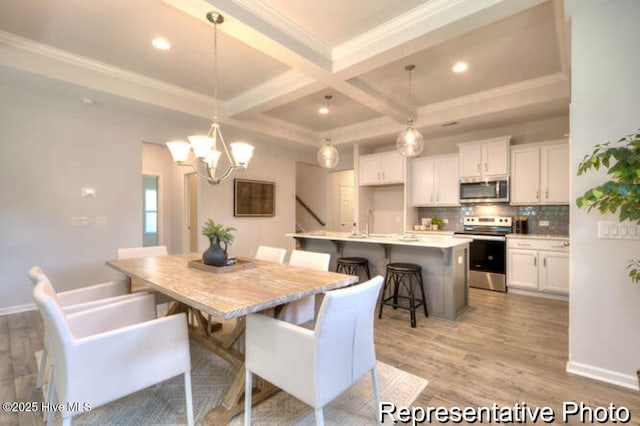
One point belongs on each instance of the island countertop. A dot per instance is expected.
(434, 241)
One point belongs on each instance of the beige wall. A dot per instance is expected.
(604, 314)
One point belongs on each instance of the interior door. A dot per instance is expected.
(346, 207)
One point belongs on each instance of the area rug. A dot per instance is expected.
(164, 404)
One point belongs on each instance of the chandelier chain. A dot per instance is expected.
(215, 71)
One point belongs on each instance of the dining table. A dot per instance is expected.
(252, 286)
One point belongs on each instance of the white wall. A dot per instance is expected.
(271, 162)
(49, 150)
(311, 187)
(604, 308)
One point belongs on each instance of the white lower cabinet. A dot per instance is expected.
(538, 264)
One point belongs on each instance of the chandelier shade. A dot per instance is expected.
(209, 149)
(410, 142)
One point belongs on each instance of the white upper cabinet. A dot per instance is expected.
(554, 173)
(434, 181)
(540, 173)
(487, 158)
(384, 168)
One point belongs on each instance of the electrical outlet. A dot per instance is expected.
(543, 223)
(101, 221)
(77, 221)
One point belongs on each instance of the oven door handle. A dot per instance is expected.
(483, 237)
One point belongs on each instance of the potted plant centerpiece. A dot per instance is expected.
(217, 234)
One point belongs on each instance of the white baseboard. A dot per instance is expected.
(629, 381)
(538, 294)
(18, 308)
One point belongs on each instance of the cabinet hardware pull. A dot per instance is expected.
(486, 167)
(382, 175)
(565, 243)
(546, 194)
(554, 246)
(478, 168)
(437, 197)
(535, 261)
(431, 198)
(378, 175)
(523, 244)
(544, 262)
(537, 194)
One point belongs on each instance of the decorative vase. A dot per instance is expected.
(215, 255)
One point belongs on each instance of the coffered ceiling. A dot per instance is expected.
(279, 58)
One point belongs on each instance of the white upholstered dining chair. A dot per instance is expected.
(327, 360)
(83, 298)
(303, 310)
(271, 254)
(105, 353)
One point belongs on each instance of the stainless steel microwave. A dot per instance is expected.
(484, 190)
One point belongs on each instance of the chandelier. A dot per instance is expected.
(328, 156)
(410, 142)
(211, 163)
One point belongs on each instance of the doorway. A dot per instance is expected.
(346, 207)
(191, 211)
(150, 219)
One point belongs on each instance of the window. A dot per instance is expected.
(150, 211)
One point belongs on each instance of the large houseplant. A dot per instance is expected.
(620, 193)
(217, 234)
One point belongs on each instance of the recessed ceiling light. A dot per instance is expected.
(323, 110)
(460, 67)
(161, 43)
(86, 100)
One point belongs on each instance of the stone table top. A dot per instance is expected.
(233, 294)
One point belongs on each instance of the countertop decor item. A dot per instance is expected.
(622, 192)
(205, 147)
(436, 223)
(217, 234)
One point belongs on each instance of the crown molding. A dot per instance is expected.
(431, 23)
(40, 56)
(557, 82)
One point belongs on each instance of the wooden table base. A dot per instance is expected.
(233, 400)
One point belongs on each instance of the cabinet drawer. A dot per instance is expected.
(541, 244)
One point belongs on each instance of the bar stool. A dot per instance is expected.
(408, 275)
(353, 266)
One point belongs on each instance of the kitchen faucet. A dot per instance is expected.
(369, 222)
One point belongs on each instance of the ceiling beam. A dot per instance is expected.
(427, 25)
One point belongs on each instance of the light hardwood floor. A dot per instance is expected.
(507, 348)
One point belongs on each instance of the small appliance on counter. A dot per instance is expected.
(521, 226)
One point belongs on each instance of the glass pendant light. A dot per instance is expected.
(328, 156)
(410, 142)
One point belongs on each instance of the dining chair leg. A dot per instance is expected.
(376, 392)
(247, 397)
(52, 399)
(43, 366)
(50, 393)
(188, 397)
(319, 417)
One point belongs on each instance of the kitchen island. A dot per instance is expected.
(444, 260)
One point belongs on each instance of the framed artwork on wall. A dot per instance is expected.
(254, 198)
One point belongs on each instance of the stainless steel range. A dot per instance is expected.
(488, 250)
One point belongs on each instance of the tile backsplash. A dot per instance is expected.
(557, 216)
